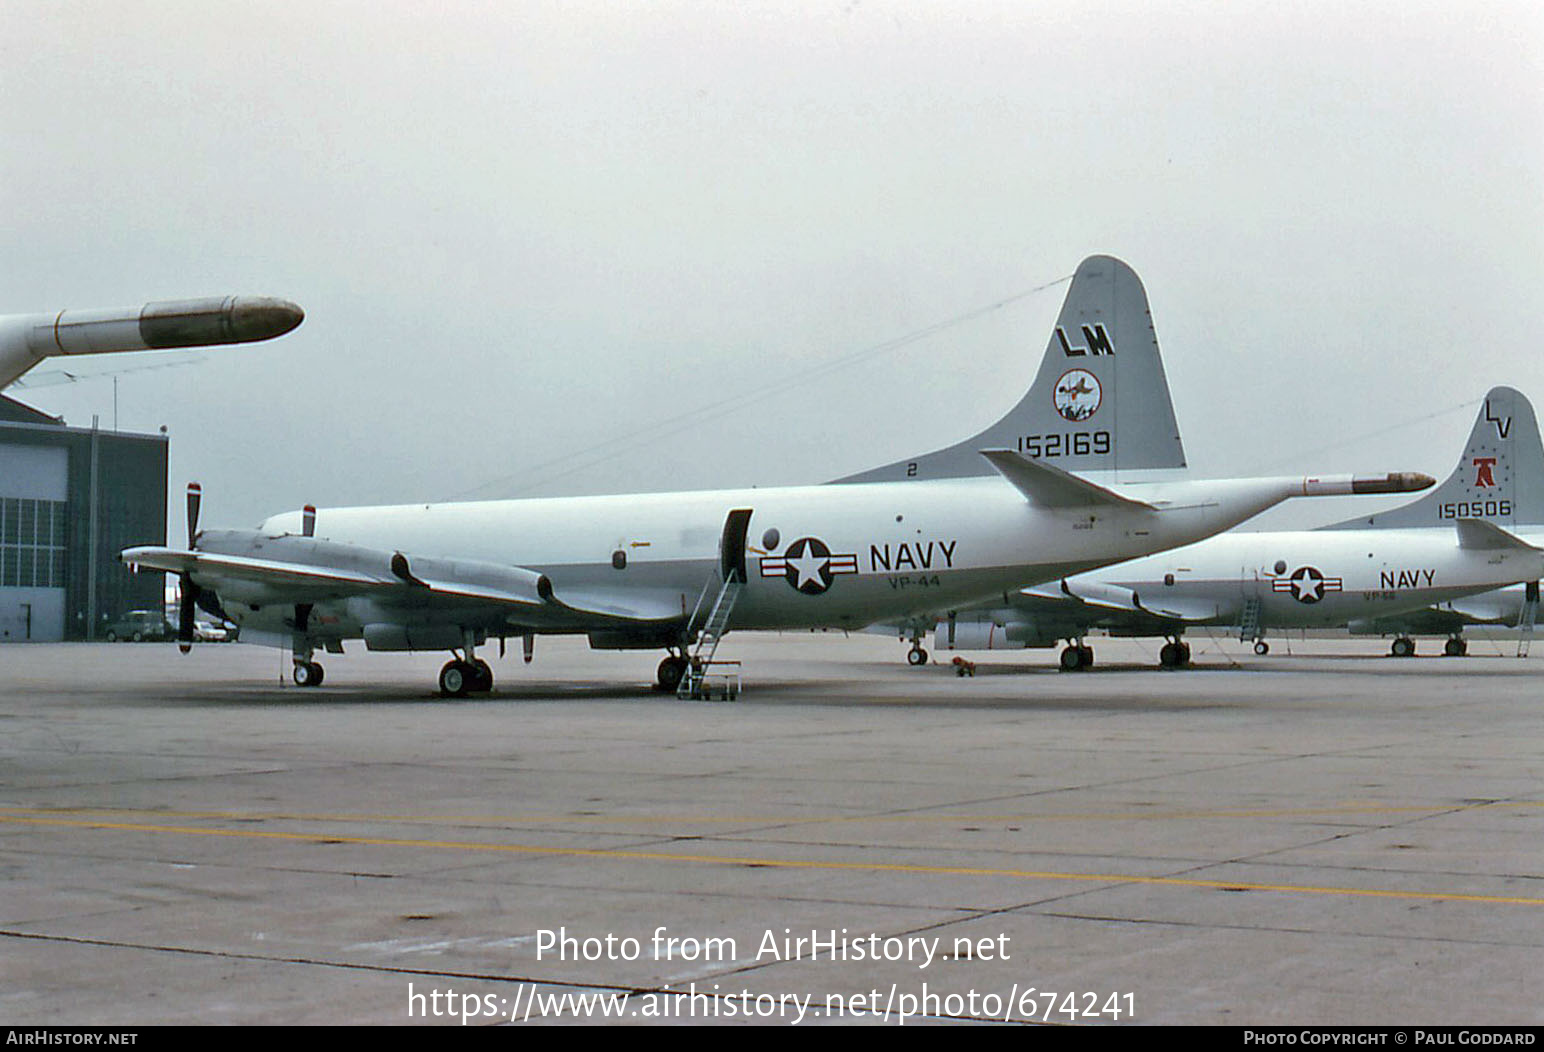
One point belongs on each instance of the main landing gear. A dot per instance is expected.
(1403, 646)
(306, 673)
(671, 671)
(1174, 654)
(1076, 657)
(467, 674)
(459, 678)
(1457, 646)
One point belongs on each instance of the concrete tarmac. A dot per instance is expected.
(1328, 836)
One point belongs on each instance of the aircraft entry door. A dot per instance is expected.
(731, 545)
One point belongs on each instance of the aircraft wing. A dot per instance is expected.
(623, 608)
(1119, 599)
(299, 582)
(290, 569)
(1432, 621)
(1192, 611)
(1500, 607)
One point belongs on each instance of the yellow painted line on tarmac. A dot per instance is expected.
(774, 863)
(812, 819)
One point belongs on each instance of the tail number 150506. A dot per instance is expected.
(1478, 509)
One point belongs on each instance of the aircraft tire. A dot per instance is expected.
(1184, 653)
(1073, 658)
(916, 656)
(1173, 655)
(669, 676)
(456, 679)
(1402, 647)
(1261, 647)
(1455, 648)
(308, 674)
(482, 677)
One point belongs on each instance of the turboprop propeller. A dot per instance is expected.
(187, 591)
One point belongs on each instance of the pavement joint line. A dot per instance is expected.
(773, 863)
(1436, 809)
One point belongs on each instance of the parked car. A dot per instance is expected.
(139, 625)
(214, 632)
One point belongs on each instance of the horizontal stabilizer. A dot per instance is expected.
(1479, 535)
(1051, 487)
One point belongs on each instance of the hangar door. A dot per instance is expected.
(33, 524)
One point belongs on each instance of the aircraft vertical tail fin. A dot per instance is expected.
(1499, 478)
(1100, 401)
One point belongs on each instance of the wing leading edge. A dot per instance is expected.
(292, 569)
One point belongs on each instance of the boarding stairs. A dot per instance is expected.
(706, 677)
(1527, 617)
(1249, 623)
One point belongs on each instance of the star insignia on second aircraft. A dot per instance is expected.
(1307, 584)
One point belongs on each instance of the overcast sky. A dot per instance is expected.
(521, 230)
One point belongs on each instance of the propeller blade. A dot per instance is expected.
(195, 498)
(188, 599)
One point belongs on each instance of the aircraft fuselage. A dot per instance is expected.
(1312, 579)
(839, 556)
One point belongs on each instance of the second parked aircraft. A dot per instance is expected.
(1475, 532)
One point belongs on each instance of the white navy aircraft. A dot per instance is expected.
(1009, 507)
(1516, 607)
(1380, 572)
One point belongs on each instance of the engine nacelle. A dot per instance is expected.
(989, 635)
(390, 636)
(642, 639)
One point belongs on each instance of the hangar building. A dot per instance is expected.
(70, 500)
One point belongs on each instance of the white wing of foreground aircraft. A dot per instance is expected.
(1476, 532)
(677, 570)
